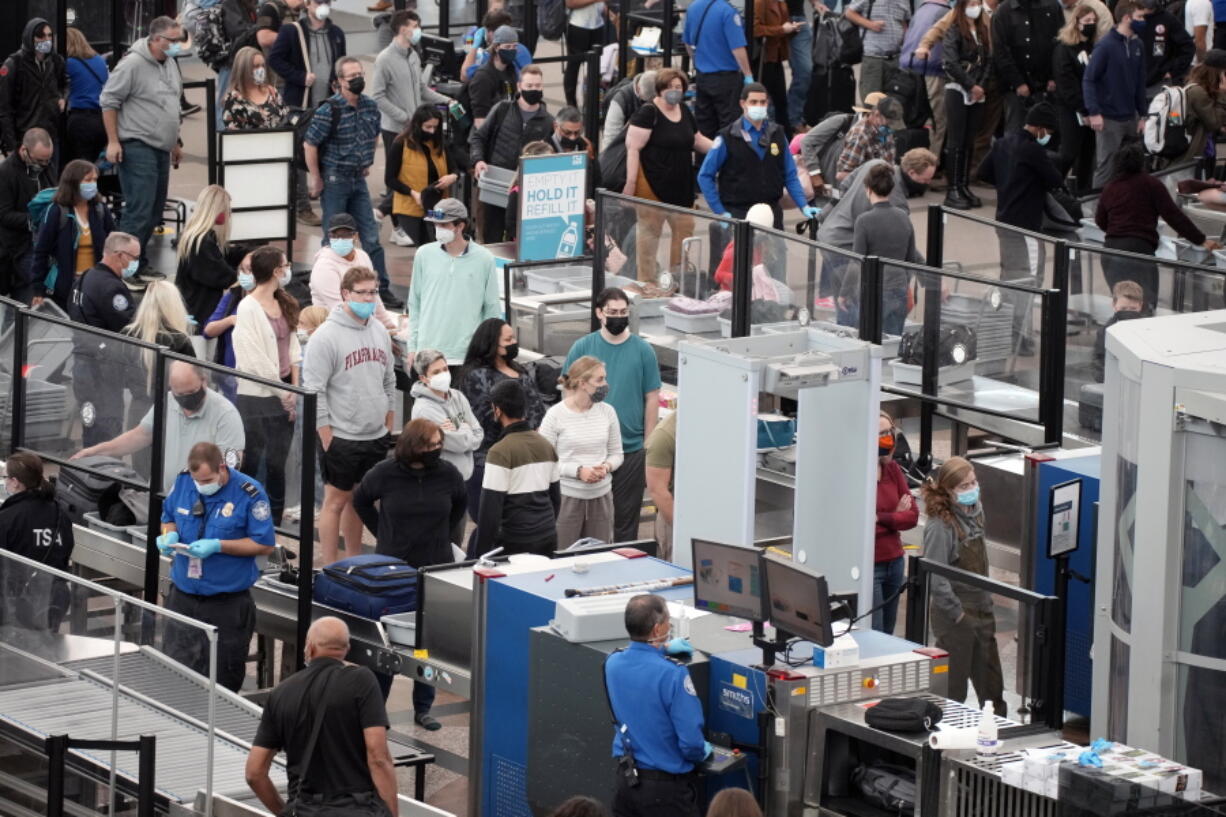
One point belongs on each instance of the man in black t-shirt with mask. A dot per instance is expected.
(349, 767)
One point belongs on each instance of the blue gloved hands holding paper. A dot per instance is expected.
(165, 542)
(679, 646)
(204, 548)
(811, 211)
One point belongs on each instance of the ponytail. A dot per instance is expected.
(290, 308)
(27, 469)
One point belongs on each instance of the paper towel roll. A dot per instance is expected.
(954, 738)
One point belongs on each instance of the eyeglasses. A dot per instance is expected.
(365, 293)
(173, 39)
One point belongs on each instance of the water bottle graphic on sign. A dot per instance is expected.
(569, 242)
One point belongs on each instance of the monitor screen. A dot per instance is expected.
(799, 601)
(728, 579)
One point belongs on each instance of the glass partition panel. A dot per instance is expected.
(83, 389)
(796, 281)
(8, 321)
(549, 303)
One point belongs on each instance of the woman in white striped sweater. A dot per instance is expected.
(584, 431)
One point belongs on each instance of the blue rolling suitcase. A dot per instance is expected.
(371, 586)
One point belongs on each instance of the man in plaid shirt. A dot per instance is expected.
(872, 137)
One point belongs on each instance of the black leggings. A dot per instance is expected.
(961, 121)
(1076, 149)
(578, 41)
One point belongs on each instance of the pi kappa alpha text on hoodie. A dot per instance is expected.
(352, 371)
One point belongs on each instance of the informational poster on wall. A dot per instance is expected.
(1065, 518)
(551, 206)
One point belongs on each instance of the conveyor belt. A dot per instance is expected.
(81, 707)
(149, 673)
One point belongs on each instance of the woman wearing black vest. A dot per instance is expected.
(32, 525)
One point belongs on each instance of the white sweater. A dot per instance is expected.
(255, 348)
(584, 439)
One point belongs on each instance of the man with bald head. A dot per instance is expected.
(194, 414)
(330, 720)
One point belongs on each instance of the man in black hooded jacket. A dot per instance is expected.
(22, 175)
(33, 86)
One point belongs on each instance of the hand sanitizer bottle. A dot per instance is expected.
(988, 741)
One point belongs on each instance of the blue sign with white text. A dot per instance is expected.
(551, 206)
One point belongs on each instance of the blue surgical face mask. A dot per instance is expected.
(246, 280)
(341, 246)
(415, 37)
(88, 190)
(756, 113)
(174, 49)
(207, 488)
(131, 268)
(969, 497)
(1044, 139)
(44, 47)
(883, 132)
(363, 309)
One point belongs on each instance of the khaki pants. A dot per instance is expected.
(647, 236)
(584, 518)
(936, 101)
(664, 535)
(973, 657)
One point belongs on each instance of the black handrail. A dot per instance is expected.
(1046, 637)
(58, 746)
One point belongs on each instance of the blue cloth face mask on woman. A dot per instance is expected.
(341, 246)
(88, 190)
(246, 280)
(969, 497)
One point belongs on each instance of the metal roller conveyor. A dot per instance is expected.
(78, 702)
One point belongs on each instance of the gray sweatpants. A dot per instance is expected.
(1109, 139)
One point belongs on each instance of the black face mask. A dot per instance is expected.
(422, 137)
(1088, 31)
(510, 351)
(357, 85)
(532, 97)
(884, 452)
(1128, 315)
(570, 144)
(430, 458)
(192, 401)
(617, 325)
(914, 188)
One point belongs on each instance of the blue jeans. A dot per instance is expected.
(144, 175)
(887, 578)
(893, 312)
(345, 193)
(223, 82)
(800, 56)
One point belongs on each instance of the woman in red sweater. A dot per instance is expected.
(896, 511)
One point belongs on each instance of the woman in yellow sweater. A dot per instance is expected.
(420, 172)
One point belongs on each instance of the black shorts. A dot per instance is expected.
(347, 461)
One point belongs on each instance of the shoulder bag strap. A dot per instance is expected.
(89, 68)
(306, 55)
(703, 19)
(320, 709)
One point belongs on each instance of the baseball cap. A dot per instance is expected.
(505, 35)
(886, 105)
(342, 221)
(447, 211)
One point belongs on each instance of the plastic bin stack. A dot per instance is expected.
(993, 327)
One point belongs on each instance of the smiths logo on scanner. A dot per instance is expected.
(737, 701)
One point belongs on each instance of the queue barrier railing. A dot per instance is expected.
(80, 386)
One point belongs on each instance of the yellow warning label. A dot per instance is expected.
(740, 681)
(421, 655)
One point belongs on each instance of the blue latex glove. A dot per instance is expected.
(707, 749)
(726, 214)
(811, 211)
(204, 548)
(165, 541)
(749, 80)
(1089, 758)
(1100, 745)
(679, 646)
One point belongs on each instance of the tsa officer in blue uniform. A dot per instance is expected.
(658, 714)
(715, 36)
(215, 522)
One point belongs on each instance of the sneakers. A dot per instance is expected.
(188, 109)
(425, 721)
(400, 238)
(149, 274)
(309, 217)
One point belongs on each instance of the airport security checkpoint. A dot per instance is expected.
(938, 535)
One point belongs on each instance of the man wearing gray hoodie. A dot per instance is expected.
(140, 110)
(353, 374)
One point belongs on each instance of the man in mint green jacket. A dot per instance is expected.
(454, 286)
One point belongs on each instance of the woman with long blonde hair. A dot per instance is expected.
(204, 271)
(961, 616)
(87, 73)
(252, 103)
(1070, 57)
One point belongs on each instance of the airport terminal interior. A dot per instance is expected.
(1090, 679)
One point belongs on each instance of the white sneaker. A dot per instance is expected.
(378, 214)
(400, 238)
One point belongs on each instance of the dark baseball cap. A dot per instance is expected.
(342, 221)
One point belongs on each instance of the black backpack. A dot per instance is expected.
(886, 786)
(851, 39)
(551, 18)
(957, 345)
(300, 121)
(903, 715)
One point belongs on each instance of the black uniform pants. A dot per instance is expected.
(717, 100)
(657, 795)
(233, 614)
(98, 387)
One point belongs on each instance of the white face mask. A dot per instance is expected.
(444, 235)
(322, 11)
(973, 12)
(288, 276)
(260, 75)
(441, 381)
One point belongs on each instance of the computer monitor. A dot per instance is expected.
(440, 52)
(798, 601)
(728, 579)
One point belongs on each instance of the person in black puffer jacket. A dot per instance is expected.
(966, 57)
(26, 171)
(1023, 36)
(32, 525)
(1073, 46)
(33, 87)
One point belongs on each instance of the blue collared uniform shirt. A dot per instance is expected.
(239, 510)
(718, 154)
(722, 31)
(655, 699)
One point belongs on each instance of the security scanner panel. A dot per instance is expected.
(728, 580)
(798, 602)
(827, 495)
